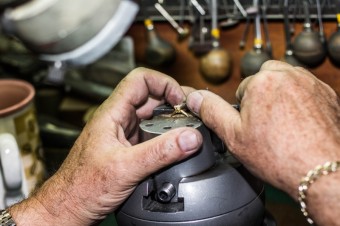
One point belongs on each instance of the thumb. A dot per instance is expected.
(216, 114)
(175, 145)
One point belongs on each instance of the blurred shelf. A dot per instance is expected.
(183, 10)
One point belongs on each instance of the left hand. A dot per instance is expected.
(106, 162)
(288, 123)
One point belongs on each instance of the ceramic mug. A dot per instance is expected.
(22, 168)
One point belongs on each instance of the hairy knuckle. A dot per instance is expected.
(270, 64)
(137, 71)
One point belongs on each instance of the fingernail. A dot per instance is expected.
(188, 141)
(194, 101)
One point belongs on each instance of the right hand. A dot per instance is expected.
(108, 160)
(288, 123)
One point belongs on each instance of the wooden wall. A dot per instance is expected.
(186, 67)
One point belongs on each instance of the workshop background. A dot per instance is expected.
(199, 49)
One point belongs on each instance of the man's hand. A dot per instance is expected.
(288, 124)
(106, 162)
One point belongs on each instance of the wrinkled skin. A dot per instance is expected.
(288, 124)
(106, 162)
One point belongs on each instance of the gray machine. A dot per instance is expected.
(210, 188)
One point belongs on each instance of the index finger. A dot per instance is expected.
(141, 83)
(141, 88)
(217, 114)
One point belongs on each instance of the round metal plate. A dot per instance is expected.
(163, 123)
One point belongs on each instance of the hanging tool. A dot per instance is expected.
(307, 46)
(181, 13)
(215, 66)
(200, 41)
(198, 7)
(158, 52)
(240, 7)
(231, 21)
(251, 11)
(289, 56)
(269, 48)
(182, 32)
(334, 40)
(321, 30)
(243, 41)
(251, 62)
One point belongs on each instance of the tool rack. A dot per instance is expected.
(183, 10)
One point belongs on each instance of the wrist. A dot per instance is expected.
(319, 195)
(49, 205)
(299, 168)
(6, 218)
(29, 212)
